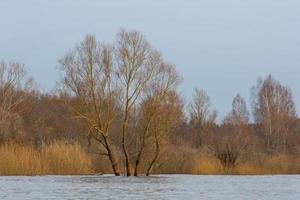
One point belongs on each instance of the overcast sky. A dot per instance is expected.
(221, 46)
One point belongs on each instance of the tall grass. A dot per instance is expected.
(207, 166)
(60, 158)
(20, 160)
(57, 159)
(263, 165)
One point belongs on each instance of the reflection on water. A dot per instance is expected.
(158, 187)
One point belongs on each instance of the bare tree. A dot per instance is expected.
(274, 109)
(138, 64)
(164, 80)
(104, 79)
(170, 112)
(201, 117)
(89, 77)
(239, 113)
(13, 82)
(234, 142)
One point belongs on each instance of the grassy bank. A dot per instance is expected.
(57, 158)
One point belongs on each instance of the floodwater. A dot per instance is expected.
(171, 187)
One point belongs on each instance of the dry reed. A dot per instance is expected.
(58, 158)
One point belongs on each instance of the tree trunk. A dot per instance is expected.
(113, 161)
(155, 156)
(112, 157)
(141, 150)
(127, 162)
(136, 169)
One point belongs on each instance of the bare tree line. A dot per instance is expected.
(121, 102)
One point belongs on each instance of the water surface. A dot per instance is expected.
(171, 187)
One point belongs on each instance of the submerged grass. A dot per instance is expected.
(58, 158)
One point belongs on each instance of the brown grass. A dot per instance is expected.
(264, 165)
(207, 166)
(58, 158)
(276, 164)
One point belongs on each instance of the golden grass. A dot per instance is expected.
(264, 165)
(58, 158)
(207, 166)
(20, 160)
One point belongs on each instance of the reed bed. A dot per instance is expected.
(58, 158)
(264, 165)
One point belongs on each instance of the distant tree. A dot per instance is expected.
(13, 84)
(274, 110)
(201, 117)
(234, 142)
(239, 113)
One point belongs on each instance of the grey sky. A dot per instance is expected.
(221, 46)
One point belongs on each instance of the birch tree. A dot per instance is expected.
(274, 110)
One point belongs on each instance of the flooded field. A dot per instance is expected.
(171, 187)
